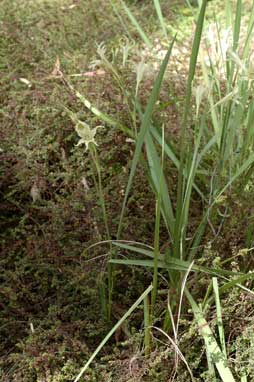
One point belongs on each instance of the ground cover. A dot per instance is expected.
(54, 296)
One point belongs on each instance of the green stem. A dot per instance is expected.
(96, 161)
(156, 252)
(147, 326)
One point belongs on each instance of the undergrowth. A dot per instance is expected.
(59, 296)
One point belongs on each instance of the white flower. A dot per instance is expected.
(85, 133)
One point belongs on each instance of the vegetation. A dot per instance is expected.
(126, 190)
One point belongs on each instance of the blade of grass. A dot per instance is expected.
(102, 116)
(147, 325)
(236, 34)
(237, 174)
(199, 232)
(214, 115)
(219, 316)
(170, 153)
(171, 260)
(192, 68)
(236, 282)
(228, 12)
(183, 216)
(136, 24)
(181, 296)
(160, 17)
(237, 24)
(157, 231)
(144, 128)
(215, 354)
(159, 182)
(158, 179)
(179, 265)
(112, 331)
(115, 10)
(247, 45)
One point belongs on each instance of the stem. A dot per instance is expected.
(147, 326)
(157, 228)
(96, 161)
(156, 252)
(95, 158)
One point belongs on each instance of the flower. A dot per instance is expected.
(85, 133)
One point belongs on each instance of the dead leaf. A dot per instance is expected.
(56, 72)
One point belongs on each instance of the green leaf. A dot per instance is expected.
(143, 131)
(160, 17)
(215, 353)
(136, 24)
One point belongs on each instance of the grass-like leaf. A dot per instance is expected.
(136, 24)
(219, 316)
(215, 353)
(160, 17)
(169, 262)
(143, 131)
(180, 193)
(112, 331)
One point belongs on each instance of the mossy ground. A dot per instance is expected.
(51, 317)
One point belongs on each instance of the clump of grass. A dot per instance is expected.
(226, 115)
